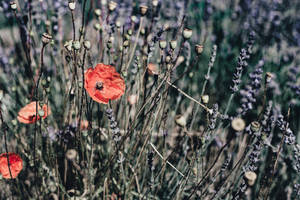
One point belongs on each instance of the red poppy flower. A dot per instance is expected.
(16, 165)
(103, 83)
(27, 114)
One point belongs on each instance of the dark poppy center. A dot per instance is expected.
(99, 85)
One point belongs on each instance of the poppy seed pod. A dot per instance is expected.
(76, 45)
(97, 12)
(238, 124)
(87, 44)
(68, 45)
(255, 126)
(199, 49)
(46, 38)
(143, 10)
(112, 6)
(250, 177)
(173, 44)
(72, 6)
(162, 44)
(187, 33)
(13, 5)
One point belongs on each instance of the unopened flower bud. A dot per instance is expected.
(48, 23)
(97, 12)
(41, 113)
(13, 5)
(250, 177)
(87, 44)
(205, 99)
(180, 120)
(238, 124)
(168, 59)
(255, 126)
(1, 94)
(162, 44)
(112, 6)
(173, 44)
(126, 43)
(97, 27)
(118, 24)
(269, 77)
(46, 38)
(72, 5)
(154, 3)
(71, 154)
(187, 33)
(129, 32)
(143, 10)
(199, 49)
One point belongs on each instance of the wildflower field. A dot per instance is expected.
(149, 99)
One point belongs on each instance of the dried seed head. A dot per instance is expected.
(162, 44)
(72, 5)
(13, 5)
(250, 177)
(143, 10)
(76, 45)
(180, 120)
(154, 3)
(199, 49)
(205, 99)
(71, 154)
(97, 12)
(112, 6)
(173, 44)
(46, 38)
(187, 33)
(255, 126)
(238, 124)
(87, 44)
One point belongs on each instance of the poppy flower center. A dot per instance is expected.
(99, 85)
